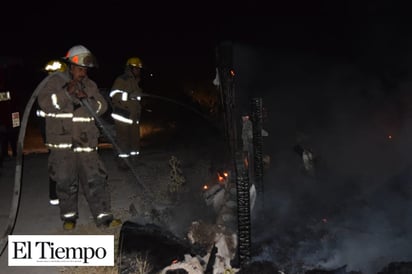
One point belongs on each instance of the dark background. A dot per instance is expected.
(177, 39)
(333, 74)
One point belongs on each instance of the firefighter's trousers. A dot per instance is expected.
(71, 169)
(128, 137)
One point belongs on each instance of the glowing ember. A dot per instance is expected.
(246, 162)
(222, 176)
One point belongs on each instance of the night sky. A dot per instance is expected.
(178, 39)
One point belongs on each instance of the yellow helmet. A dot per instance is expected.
(55, 65)
(79, 55)
(134, 62)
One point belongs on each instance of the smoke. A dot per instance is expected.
(357, 209)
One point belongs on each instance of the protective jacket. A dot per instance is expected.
(68, 125)
(72, 137)
(125, 95)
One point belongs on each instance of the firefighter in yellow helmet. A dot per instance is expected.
(126, 95)
(52, 66)
(72, 137)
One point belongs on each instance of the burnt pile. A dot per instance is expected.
(151, 248)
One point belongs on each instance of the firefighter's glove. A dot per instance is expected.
(71, 87)
(135, 96)
(74, 89)
(80, 94)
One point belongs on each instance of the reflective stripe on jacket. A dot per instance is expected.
(67, 125)
(125, 95)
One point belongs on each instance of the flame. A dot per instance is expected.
(205, 187)
(246, 162)
(390, 137)
(222, 176)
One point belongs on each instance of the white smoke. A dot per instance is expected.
(356, 211)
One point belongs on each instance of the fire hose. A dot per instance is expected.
(19, 168)
(107, 133)
(15, 203)
(150, 95)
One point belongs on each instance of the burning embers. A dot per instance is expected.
(220, 238)
(222, 176)
(214, 194)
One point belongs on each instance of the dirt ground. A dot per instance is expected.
(165, 188)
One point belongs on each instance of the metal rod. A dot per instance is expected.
(243, 210)
(257, 121)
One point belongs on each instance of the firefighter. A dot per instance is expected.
(72, 137)
(51, 67)
(125, 96)
(54, 66)
(9, 123)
